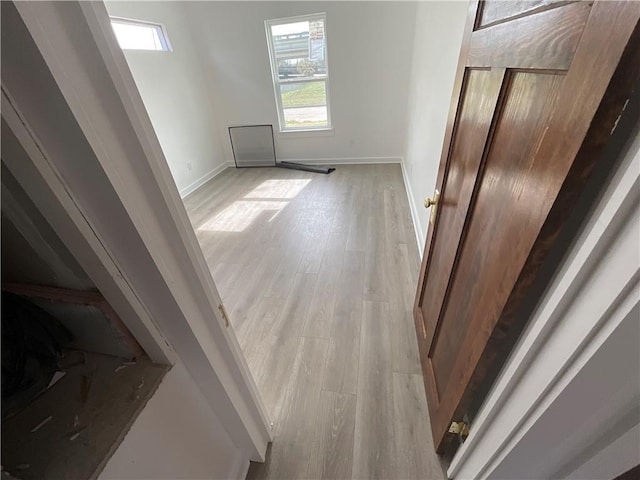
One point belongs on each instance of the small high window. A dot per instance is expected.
(139, 35)
(298, 53)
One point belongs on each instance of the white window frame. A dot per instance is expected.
(162, 33)
(277, 82)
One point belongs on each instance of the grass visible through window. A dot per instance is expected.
(300, 71)
(308, 94)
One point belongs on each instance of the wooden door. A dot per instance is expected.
(539, 89)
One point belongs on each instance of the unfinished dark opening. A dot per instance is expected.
(73, 377)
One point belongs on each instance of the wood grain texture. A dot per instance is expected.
(321, 307)
(295, 308)
(357, 232)
(341, 374)
(401, 277)
(255, 334)
(254, 275)
(333, 443)
(271, 368)
(443, 166)
(374, 455)
(494, 11)
(411, 427)
(376, 277)
(289, 266)
(295, 430)
(55, 294)
(614, 66)
(547, 40)
(479, 100)
(295, 286)
(551, 130)
(403, 360)
(490, 256)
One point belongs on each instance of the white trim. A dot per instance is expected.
(185, 191)
(164, 261)
(306, 133)
(293, 19)
(342, 161)
(45, 187)
(595, 288)
(304, 80)
(246, 418)
(164, 37)
(240, 470)
(417, 227)
(282, 128)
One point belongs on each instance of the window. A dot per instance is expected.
(139, 35)
(298, 51)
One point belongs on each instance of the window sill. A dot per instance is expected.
(311, 132)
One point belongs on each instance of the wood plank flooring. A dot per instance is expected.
(318, 274)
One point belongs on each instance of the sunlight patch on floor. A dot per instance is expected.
(278, 188)
(240, 214)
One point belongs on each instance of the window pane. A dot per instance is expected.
(298, 54)
(304, 104)
(138, 36)
(299, 49)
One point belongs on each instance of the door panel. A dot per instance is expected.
(539, 88)
(491, 258)
(493, 11)
(480, 94)
(528, 42)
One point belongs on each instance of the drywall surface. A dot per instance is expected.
(176, 94)
(177, 435)
(32, 252)
(369, 52)
(438, 36)
(596, 409)
(620, 453)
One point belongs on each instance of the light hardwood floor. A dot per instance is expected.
(318, 274)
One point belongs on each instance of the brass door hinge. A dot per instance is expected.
(223, 312)
(459, 428)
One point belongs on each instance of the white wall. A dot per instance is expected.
(177, 436)
(369, 51)
(438, 36)
(176, 95)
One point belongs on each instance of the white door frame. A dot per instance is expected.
(130, 232)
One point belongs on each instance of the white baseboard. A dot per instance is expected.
(343, 161)
(204, 179)
(417, 227)
(316, 161)
(239, 469)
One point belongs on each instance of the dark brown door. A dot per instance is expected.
(539, 87)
